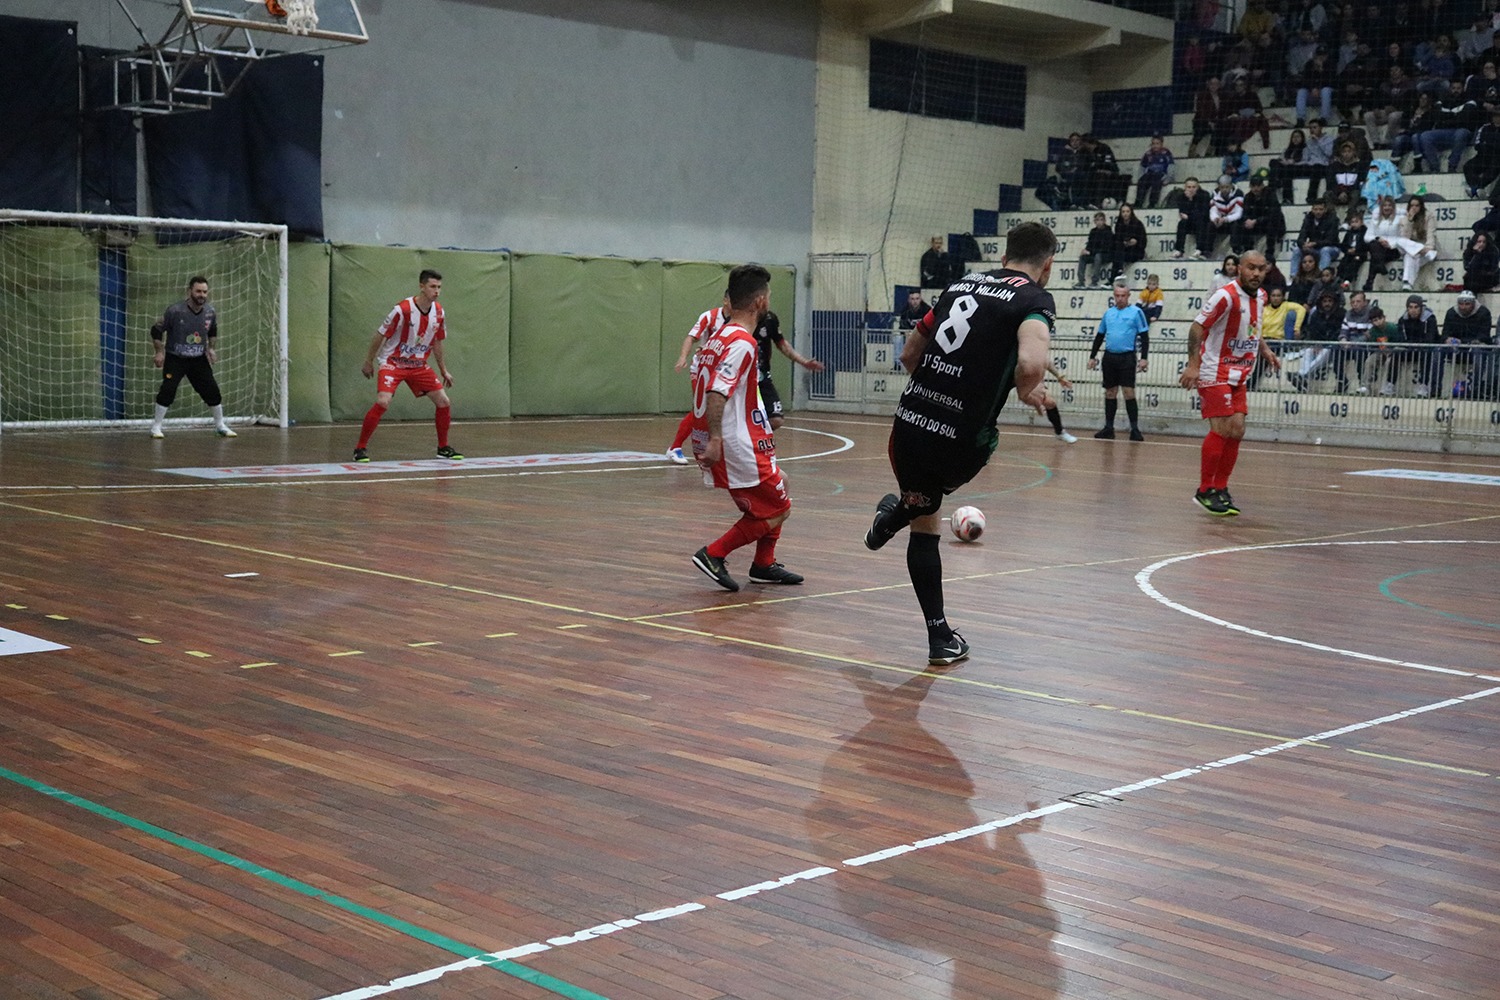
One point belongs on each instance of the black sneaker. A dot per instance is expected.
(1136, 435)
(1210, 501)
(876, 537)
(1230, 507)
(951, 650)
(449, 453)
(774, 573)
(714, 569)
(361, 455)
(1107, 434)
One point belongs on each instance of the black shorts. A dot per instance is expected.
(927, 471)
(1119, 369)
(770, 398)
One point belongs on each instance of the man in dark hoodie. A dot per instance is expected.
(1192, 218)
(1319, 234)
(1419, 326)
(1469, 323)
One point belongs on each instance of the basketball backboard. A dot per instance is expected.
(338, 20)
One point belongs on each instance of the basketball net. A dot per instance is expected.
(301, 16)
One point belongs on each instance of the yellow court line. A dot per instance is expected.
(417, 644)
(349, 652)
(18, 607)
(252, 666)
(199, 653)
(501, 635)
(149, 642)
(59, 618)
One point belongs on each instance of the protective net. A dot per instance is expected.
(77, 302)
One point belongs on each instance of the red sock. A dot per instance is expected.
(683, 430)
(1230, 455)
(765, 549)
(443, 417)
(1213, 451)
(372, 420)
(745, 531)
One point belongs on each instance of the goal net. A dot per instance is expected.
(78, 297)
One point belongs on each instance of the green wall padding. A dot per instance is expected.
(307, 330)
(587, 335)
(52, 297)
(368, 281)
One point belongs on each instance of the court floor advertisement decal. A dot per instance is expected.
(1427, 475)
(15, 643)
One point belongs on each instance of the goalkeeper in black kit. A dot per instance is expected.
(184, 340)
(987, 335)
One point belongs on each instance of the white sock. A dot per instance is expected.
(218, 412)
(161, 414)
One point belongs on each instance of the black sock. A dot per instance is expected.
(924, 563)
(1110, 407)
(1056, 419)
(1134, 413)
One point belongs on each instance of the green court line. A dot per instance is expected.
(422, 934)
(1385, 588)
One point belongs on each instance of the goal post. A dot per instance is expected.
(80, 292)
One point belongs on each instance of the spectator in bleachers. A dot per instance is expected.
(1423, 119)
(1258, 20)
(1354, 252)
(1382, 231)
(1299, 289)
(1207, 114)
(1130, 239)
(1354, 334)
(1307, 15)
(1235, 162)
(934, 266)
(1322, 327)
(1389, 106)
(1192, 219)
(1453, 129)
(1262, 219)
(1348, 51)
(1438, 68)
(1357, 136)
(1481, 264)
(1319, 155)
(1104, 181)
(1227, 272)
(1152, 300)
(1072, 167)
(1157, 168)
(1490, 54)
(1319, 235)
(1355, 87)
(907, 319)
(1418, 242)
(1384, 336)
(1301, 45)
(1225, 210)
(1381, 179)
(1490, 221)
(1483, 87)
(1468, 323)
(1470, 43)
(1098, 255)
(1346, 174)
(1317, 77)
(1244, 116)
(1419, 326)
(1375, 26)
(1281, 321)
(1484, 166)
(1328, 281)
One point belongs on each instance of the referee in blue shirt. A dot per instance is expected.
(1123, 324)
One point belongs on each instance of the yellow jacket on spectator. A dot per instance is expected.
(1273, 321)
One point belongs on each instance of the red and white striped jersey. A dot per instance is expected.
(708, 324)
(409, 334)
(726, 364)
(1231, 334)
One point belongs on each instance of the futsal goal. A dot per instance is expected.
(79, 294)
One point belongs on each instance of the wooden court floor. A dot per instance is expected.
(484, 732)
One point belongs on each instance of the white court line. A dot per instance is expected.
(1143, 580)
(845, 445)
(588, 934)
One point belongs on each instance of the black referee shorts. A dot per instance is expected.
(927, 470)
(1119, 369)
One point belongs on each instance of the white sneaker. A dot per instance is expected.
(156, 432)
(1197, 255)
(1388, 390)
(1422, 392)
(1176, 254)
(1362, 390)
(224, 432)
(1066, 438)
(677, 457)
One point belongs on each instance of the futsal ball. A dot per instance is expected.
(967, 523)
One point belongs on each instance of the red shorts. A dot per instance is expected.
(765, 501)
(421, 381)
(1223, 399)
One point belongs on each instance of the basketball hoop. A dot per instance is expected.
(301, 15)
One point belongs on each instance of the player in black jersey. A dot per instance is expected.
(988, 335)
(768, 332)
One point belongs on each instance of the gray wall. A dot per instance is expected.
(645, 128)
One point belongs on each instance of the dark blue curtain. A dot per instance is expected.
(108, 141)
(39, 106)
